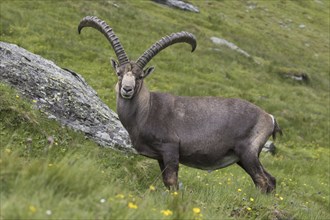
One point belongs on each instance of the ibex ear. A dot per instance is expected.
(147, 71)
(114, 64)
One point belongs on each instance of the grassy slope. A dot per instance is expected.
(72, 175)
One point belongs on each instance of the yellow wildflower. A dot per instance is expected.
(251, 199)
(32, 209)
(131, 205)
(197, 210)
(174, 193)
(152, 188)
(249, 208)
(239, 190)
(166, 212)
(281, 198)
(119, 196)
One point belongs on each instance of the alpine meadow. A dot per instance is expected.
(273, 53)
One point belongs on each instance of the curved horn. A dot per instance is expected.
(166, 41)
(94, 22)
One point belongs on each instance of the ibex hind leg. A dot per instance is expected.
(249, 161)
(265, 182)
(271, 181)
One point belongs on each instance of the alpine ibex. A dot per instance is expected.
(203, 132)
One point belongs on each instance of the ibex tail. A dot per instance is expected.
(277, 129)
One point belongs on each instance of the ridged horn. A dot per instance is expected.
(179, 37)
(94, 22)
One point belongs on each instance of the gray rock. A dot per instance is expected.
(62, 95)
(179, 4)
(232, 46)
(269, 147)
(298, 77)
(319, 2)
(295, 75)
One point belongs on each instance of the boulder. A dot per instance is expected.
(63, 95)
(178, 4)
(269, 147)
(220, 41)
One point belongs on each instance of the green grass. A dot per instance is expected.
(49, 171)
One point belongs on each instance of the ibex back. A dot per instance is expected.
(202, 132)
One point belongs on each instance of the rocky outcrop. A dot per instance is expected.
(63, 95)
(179, 4)
(269, 147)
(220, 41)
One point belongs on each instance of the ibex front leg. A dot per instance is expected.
(169, 165)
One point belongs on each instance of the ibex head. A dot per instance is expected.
(131, 73)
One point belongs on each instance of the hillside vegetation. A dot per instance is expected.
(51, 172)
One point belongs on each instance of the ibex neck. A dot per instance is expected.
(134, 112)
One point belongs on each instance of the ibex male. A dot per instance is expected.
(203, 132)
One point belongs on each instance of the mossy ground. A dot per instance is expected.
(48, 171)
